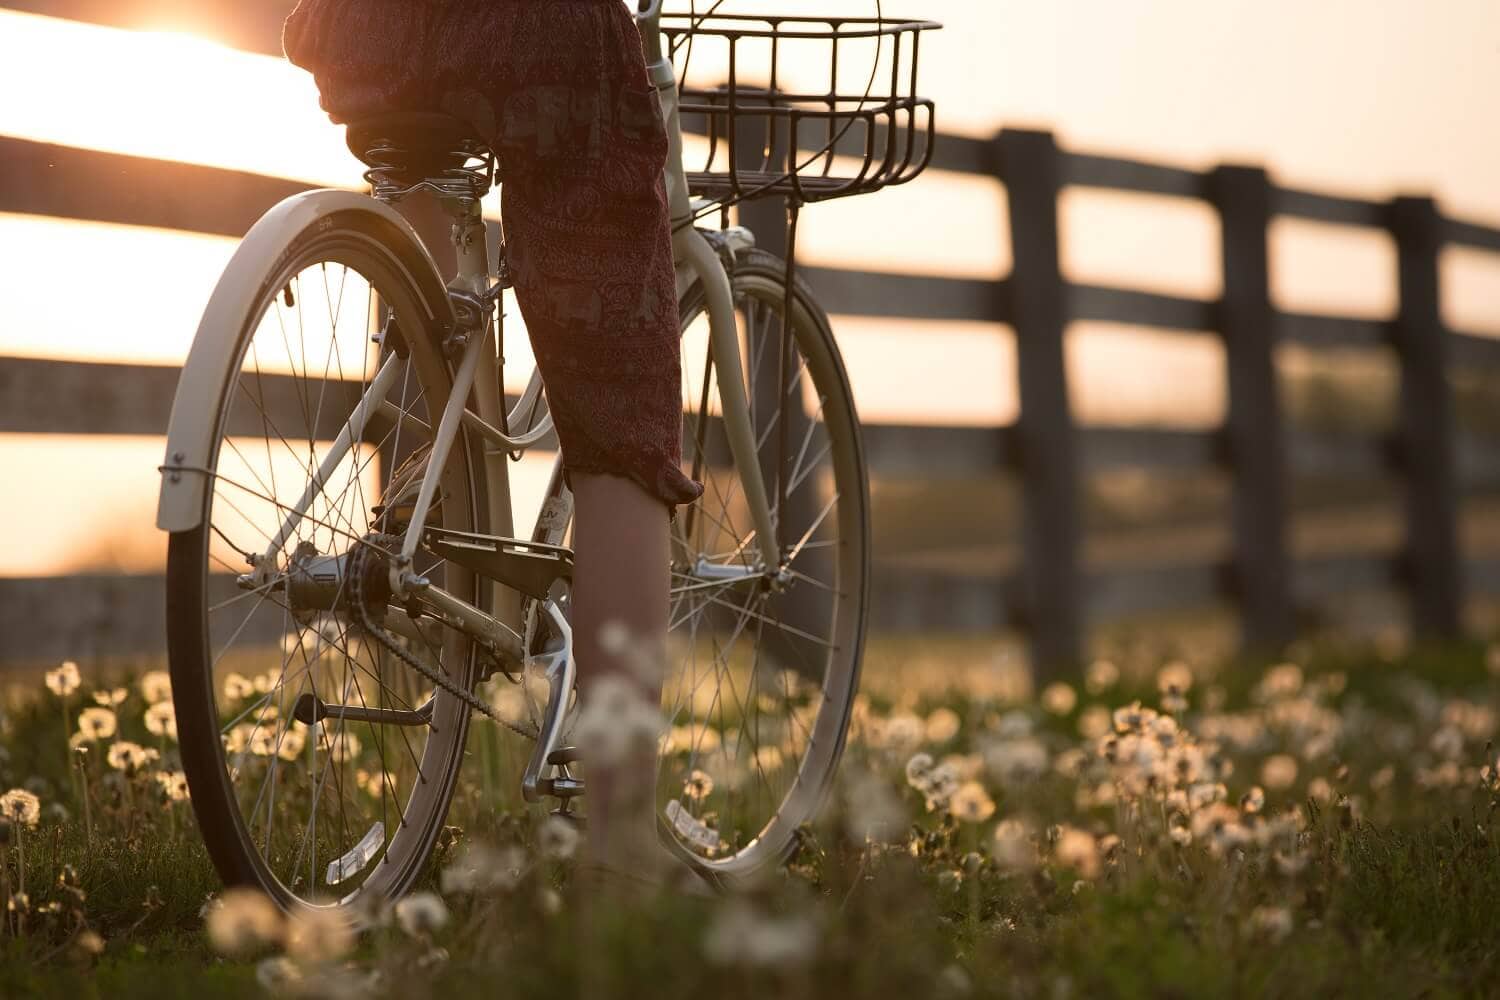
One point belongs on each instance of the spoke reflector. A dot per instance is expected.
(360, 855)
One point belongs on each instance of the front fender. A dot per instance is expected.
(219, 343)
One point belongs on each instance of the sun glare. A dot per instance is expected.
(167, 95)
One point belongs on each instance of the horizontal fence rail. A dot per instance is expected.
(1053, 594)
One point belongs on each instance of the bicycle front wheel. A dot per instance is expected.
(320, 765)
(763, 661)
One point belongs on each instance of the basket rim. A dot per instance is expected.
(678, 24)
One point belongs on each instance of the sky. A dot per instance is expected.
(1369, 98)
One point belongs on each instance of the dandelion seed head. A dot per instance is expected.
(127, 756)
(319, 934)
(96, 724)
(173, 785)
(422, 914)
(111, 697)
(698, 785)
(1273, 923)
(64, 680)
(161, 720)
(1279, 772)
(1101, 676)
(480, 869)
(1059, 698)
(942, 725)
(242, 921)
(21, 808)
(156, 686)
(558, 838)
(1077, 849)
(237, 687)
(1175, 678)
(1014, 849)
(971, 803)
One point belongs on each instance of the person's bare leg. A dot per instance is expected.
(620, 578)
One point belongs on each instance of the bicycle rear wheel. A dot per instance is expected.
(763, 663)
(316, 808)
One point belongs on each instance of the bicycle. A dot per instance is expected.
(337, 492)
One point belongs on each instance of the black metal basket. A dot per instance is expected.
(844, 88)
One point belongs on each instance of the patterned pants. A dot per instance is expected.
(559, 88)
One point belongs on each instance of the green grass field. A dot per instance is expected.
(1318, 827)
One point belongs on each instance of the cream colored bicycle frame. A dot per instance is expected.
(190, 444)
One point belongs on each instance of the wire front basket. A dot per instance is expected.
(844, 88)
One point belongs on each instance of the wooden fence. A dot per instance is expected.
(1053, 597)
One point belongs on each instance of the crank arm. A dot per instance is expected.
(310, 709)
(561, 673)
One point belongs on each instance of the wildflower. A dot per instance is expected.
(21, 808)
(768, 759)
(319, 935)
(616, 718)
(1253, 801)
(421, 913)
(942, 725)
(173, 784)
(1094, 722)
(698, 786)
(293, 740)
(242, 921)
(1077, 849)
(1174, 678)
(1283, 680)
(971, 803)
(902, 732)
(1382, 778)
(64, 680)
(279, 976)
(1014, 761)
(557, 838)
(1133, 718)
(1273, 923)
(1320, 789)
(127, 756)
(741, 936)
(156, 686)
(238, 687)
(1013, 847)
(1101, 676)
(1059, 698)
(1279, 772)
(873, 812)
(96, 724)
(481, 869)
(161, 720)
(939, 785)
(89, 943)
(917, 768)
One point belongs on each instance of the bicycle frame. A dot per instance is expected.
(499, 626)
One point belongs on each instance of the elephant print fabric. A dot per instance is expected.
(560, 91)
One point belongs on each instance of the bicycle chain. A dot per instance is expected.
(437, 677)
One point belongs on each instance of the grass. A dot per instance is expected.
(1026, 854)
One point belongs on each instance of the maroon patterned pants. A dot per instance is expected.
(559, 88)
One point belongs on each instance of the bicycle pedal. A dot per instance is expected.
(564, 788)
(563, 756)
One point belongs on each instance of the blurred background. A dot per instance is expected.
(113, 235)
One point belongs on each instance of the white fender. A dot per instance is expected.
(217, 346)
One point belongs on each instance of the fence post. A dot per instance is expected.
(1031, 169)
(1425, 434)
(1253, 429)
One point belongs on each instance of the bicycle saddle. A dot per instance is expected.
(417, 144)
